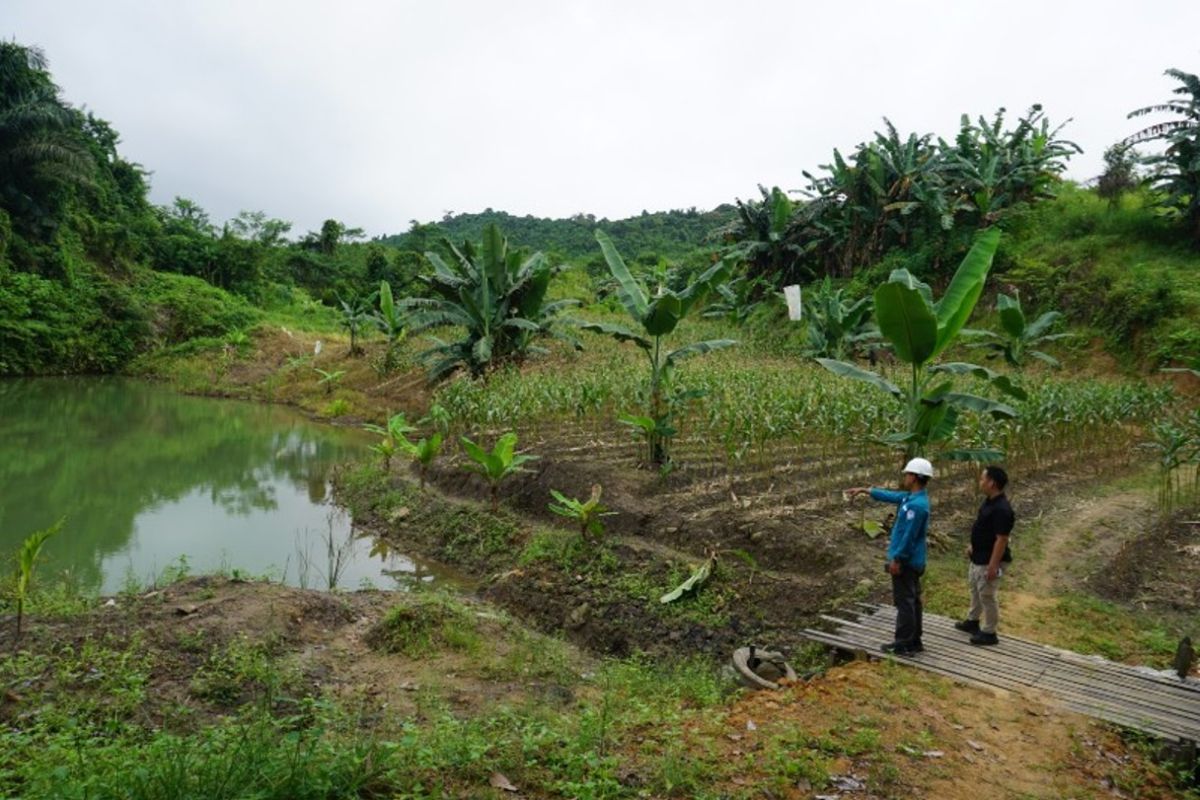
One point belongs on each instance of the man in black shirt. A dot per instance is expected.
(987, 553)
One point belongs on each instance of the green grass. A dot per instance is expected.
(1126, 272)
(424, 623)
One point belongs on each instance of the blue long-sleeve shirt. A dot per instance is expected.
(907, 542)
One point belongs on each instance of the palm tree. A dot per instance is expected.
(1176, 171)
(38, 153)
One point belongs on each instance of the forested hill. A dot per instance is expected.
(665, 233)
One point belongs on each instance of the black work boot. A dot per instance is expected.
(967, 626)
(902, 648)
(983, 638)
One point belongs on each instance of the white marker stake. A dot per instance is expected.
(795, 309)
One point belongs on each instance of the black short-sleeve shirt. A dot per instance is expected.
(995, 519)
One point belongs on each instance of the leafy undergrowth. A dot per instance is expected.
(1127, 271)
(212, 688)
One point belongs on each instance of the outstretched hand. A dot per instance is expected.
(856, 491)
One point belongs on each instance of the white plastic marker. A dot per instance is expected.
(792, 295)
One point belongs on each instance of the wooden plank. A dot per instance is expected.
(1087, 706)
(1114, 692)
(889, 613)
(1058, 670)
(1128, 675)
(990, 662)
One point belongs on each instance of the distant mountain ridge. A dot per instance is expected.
(672, 233)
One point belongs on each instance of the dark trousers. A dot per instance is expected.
(906, 596)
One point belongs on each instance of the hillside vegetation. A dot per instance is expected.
(92, 274)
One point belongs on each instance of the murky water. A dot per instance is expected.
(146, 477)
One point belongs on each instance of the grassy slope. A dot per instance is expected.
(1123, 272)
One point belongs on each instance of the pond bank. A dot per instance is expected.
(216, 688)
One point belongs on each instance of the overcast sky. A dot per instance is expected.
(377, 113)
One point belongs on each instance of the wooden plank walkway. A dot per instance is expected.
(1159, 705)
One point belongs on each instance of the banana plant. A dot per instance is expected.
(1021, 337)
(393, 434)
(760, 238)
(919, 330)
(391, 322)
(587, 514)
(497, 465)
(422, 452)
(657, 315)
(27, 557)
(355, 313)
(329, 378)
(737, 300)
(496, 296)
(837, 326)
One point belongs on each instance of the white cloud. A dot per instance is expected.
(378, 113)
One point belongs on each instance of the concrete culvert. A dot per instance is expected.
(761, 669)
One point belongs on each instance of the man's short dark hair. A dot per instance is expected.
(922, 480)
(997, 475)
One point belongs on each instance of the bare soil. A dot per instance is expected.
(319, 641)
(949, 741)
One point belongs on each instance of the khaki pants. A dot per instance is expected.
(984, 605)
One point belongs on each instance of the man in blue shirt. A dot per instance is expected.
(906, 551)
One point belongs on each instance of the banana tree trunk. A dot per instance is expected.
(658, 450)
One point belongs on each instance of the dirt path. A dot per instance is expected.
(903, 733)
(1071, 539)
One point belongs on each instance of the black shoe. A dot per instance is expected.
(982, 638)
(902, 648)
(967, 626)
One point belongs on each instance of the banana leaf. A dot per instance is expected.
(977, 454)
(955, 306)
(1002, 382)
(698, 349)
(699, 575)
(663, 315)
(850, 371)
(618, 332)
(1012, 318)
(906, 320)
(1038, 328)
(631, 293)
(1046, 358)
(981, 405)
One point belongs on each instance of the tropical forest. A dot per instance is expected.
(496, 505)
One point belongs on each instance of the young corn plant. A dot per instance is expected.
(1174, 446)
(657, 314)
(659, 431)
(438, 417)
(497, 465)
(919, 330)
(588, 515)
(27, 557)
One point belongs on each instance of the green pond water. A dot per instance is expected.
(145, 476)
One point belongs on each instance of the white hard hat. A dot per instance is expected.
(919, 466)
